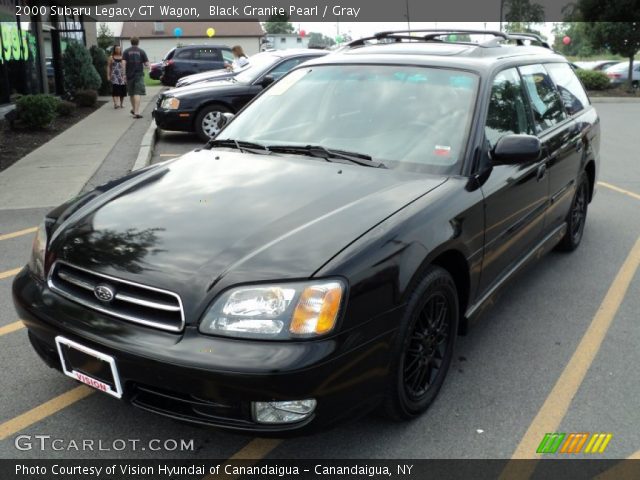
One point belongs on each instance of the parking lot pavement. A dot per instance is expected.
(556, 351)
(173, 144)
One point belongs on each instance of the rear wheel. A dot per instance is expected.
(207, 121)
(577, 217)
(424, 347)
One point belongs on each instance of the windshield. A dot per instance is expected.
(410, 118)
(259, 63)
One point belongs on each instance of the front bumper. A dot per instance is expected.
(175, 120)
(209, 380)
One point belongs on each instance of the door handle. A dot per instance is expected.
(579, 146)
(542, 172)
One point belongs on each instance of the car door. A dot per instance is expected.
(565, 163)
(515, 195)
(557, 134)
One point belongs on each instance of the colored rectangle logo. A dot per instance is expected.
(574, 443)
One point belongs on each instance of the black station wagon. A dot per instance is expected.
(319, 257)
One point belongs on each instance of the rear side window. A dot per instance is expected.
(227, 56)
(571, 92)
(287, 65)
(545, 101)
(509, 111)
(207, 54)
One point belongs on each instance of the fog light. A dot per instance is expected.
(283, 412)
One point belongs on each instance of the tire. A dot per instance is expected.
(416, 354)
(206, 119)
(577, 216)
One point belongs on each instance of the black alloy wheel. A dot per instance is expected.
(577, 217)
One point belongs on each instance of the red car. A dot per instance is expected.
(155, 70)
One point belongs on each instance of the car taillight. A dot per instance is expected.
(614, 75)
(167, 63)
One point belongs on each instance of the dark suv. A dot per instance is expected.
(319, 257)
(190, 59)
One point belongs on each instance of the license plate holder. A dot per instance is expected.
(86, 365)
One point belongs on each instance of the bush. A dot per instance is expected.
(593, 79)
(99, 59)
(37, 111)
(79, 72)
(86, 98)
(65, 108)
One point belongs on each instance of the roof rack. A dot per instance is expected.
(433, 35)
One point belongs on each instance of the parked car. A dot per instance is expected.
(619, 74)
(198, 107)
(319, 258)
(187, 60)
(155, 70)
(598, 65)
(214, 75)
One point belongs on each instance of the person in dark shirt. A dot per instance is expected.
(135, 61)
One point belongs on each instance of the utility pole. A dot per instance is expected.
(408, 17)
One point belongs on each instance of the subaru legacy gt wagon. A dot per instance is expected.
(319, 257)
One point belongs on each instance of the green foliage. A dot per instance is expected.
(79, 72)
(65, 108)
(318, 40)
(522, 16)
(99, 59)
(581, 44)
(86, 98)
(37, 111)
(278, 24)
(593, 79)
(105, 37)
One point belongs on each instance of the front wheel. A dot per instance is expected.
(423, 349)
(207, 121)
(577, 217)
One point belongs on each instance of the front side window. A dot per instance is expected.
(508, 111)
(285, 66)
(545, 101)
(571, 92)
(411, 118)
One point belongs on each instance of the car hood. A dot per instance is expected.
(215, 218)
(204, 87)
(206, 76)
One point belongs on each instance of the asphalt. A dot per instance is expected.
(504, 369)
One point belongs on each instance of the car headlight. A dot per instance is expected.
(277, 311)
(170, 103)
(38, 252)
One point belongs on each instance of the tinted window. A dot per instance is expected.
(287, 65)
(545, 101)
(184, 54)
(207, 54)
(509, 111)
(227, 56)
(571, 92)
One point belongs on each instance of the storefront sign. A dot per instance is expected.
(15, 44)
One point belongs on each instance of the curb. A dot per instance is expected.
(146, 147)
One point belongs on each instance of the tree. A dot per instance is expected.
(522, 16)
(318, 40)
(622, 38)
(278, 24)
(105, 36)
(580, 45)
(99, 59)
(79, 72)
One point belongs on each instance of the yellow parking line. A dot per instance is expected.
(19, 423)
(19, 233)
(12, 327)
(557, 403)
(10, 273)
(620, 190)
(252, 453)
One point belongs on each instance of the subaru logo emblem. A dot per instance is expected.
(104, 293)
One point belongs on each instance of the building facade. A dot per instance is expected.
(31, 50)
(158, 38)
(283, 41)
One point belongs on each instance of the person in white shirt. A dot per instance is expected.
(240, 61)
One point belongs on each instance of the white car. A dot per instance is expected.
(619, 73)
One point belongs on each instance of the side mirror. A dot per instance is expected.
(515, 149)
(224, 119)
(267, 80)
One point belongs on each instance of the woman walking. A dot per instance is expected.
(117, 77)
(240, 59)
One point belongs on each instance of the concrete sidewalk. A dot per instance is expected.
(59, 169)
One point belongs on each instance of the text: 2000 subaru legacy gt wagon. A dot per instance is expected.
(320, 256)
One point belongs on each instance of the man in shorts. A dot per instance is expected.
(135, 61)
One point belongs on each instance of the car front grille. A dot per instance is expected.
(126, 300)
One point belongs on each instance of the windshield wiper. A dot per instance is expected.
(319, 151)
(239, 145)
